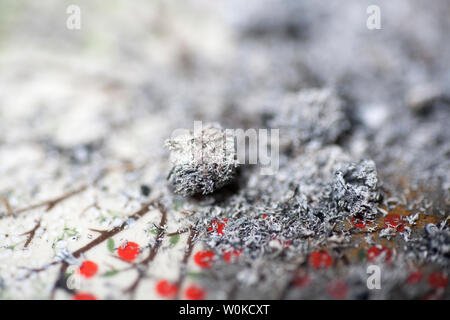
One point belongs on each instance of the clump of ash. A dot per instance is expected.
(202, 160)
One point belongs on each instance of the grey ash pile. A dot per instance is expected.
(276, 221)
(203, 160)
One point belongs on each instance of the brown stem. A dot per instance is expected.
(31, 234)
(7, 205)
(177, 233)
(188, 251)
(49, 204)
(104, 235)
(152, 254)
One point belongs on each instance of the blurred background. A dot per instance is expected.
(219, 61)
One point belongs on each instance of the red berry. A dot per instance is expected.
(301, 279)
(374, 252)
(166, 289)
(231, 256)
(337, 290)
(394, 221)
(128, 251)
(320, 259)
(84, 296)
(414, 278)
(195, 293)
(218, 226)
(437, 280)
(88, 269)
(204, 258)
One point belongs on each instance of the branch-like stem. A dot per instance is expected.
(177, 232)
(31, 234)
(187, 253)
(104, 235)
(50, 204)
(152, 254)
(5, 202)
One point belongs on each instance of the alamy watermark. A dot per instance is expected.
(374, 19)
(73, 21)
(374, 279)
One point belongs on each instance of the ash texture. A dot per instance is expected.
(203, 161)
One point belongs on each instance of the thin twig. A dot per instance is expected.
(5, 201)
(187, 254)
(50, 204)
(152, 254)
(177, 232)
(31, 234)
(106, 234)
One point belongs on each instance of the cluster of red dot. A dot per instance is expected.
(338, 289)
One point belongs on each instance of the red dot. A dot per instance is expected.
(195, 293)
(301, 279)
(375, 252)
(231, 256)
(360, 223)
(414, 278)
(166, 289)
(337, 290)
(88, 269)
(264, 216)
(394, 221)
(128, 251)
(437, 280)
(320, 259)
(218, 226)
(84, 296)
(204, 258)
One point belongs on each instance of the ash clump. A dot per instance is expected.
(355, 188)
(312, 115)
(203, 160)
